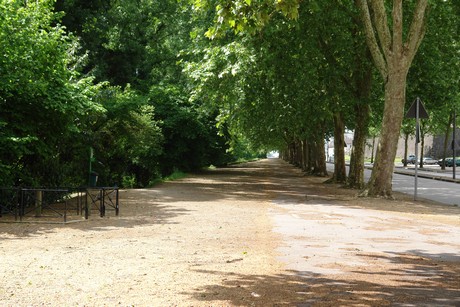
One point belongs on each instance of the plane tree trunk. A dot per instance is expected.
(356, 173)
(392, 53)
(340, 173)
(380, 183)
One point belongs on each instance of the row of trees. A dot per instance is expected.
(329, 66)
(157, 86)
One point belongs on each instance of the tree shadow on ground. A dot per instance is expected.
(429, 283)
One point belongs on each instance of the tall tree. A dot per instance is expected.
(434, 74)
(393, 49)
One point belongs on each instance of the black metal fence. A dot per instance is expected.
(51, 204)
(102, 199)
(9, 201)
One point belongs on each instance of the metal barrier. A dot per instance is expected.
(43, 202)
(102, 198)
(9, 201)
(57, 203)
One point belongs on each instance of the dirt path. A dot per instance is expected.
(257, 234)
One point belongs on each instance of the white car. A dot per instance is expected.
(429, 161)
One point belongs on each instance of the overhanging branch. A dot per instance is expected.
(371, 39)
(417, 30)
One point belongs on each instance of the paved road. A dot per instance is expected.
(433, 189)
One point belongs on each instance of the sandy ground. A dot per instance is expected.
(256, 234)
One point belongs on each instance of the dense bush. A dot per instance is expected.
(97, 85)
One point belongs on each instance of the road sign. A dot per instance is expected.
(417, 110)
(412, 112)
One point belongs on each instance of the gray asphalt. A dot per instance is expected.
(432, 183)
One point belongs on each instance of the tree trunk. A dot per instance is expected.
(373, 149)
(295, 155)
(380, 184)
(299, 154)
(311, 157)
(319, 165)
(356, 174)
(406, 146)
(292, 153)
(363, 81)
(446, 142)
(340, 174)
(305, 155)
(392, 51)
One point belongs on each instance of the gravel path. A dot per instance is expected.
(256, 234)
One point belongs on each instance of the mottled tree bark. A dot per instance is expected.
(446, 142)
(356, 174)
(380, 183)
(305, 155)
(340, 173)
(363, 82)
(319, 167)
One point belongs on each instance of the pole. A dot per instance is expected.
(417, 135)
(454, 143)
(90, 165)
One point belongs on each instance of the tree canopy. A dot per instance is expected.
(152, 87)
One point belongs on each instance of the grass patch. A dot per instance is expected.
(241, 160)
(175, 176)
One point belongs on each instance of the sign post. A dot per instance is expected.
(417, 111)
(454, 145)
(91, 158)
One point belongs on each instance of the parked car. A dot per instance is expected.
(441, 161)
(410, 159)
(450, 162)
(429, 161)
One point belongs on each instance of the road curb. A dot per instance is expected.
(423, 175)
(440, 178)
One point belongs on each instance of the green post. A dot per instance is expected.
(90, 165)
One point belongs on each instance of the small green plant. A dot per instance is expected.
(129, 181)
(175, 175)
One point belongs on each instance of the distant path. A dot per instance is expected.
(254, 234)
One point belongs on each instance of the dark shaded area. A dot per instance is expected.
(424, 282)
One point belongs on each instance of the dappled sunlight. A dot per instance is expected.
(369, 285)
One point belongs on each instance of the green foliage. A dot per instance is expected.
(126, 138)
(40, 97)
(245, 15)
(140, 83)
(127, 42)
(175, 176)
(290, 78)
(434, 75)
(190, 137)
(129, 181)
(149, 129)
